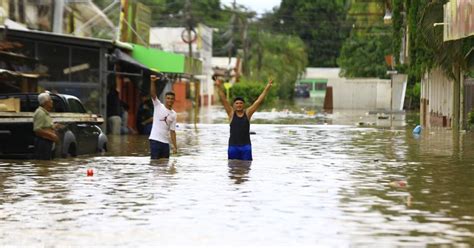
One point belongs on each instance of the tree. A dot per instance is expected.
(320, 24)
(363, 53)
(364, 56)
(280, 57)
(170, 13)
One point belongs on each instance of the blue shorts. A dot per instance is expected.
(243, 152)
(159, 149)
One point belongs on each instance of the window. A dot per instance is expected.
(55, 58)
(75, 106)
(58, 104)
(84, 65)
(320, 86)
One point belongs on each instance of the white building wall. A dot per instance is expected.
(437, 91)
(367, 94)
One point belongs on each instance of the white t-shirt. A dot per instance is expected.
(164, 120)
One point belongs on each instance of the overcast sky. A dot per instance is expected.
(260, 6)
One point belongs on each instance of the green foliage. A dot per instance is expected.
(470, 119)
(320, 24)
(366, 15)
(397, 22)
(280, 57)
(414, 92)
(250, 90)
(418, 54)
(363, 53)
(364, 56)
(427, 47)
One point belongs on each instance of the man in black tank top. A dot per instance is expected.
(240, 146)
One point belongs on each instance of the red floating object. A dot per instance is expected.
(90, 172)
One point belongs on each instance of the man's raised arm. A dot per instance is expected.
(153, 79)
(259, 100)
(223, 97)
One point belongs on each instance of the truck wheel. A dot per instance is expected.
(71, 151)
(103, 148)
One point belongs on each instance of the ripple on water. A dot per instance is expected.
(307, 185)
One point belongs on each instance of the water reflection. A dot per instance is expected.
(239, 170)
(308, 185)
(166, 166)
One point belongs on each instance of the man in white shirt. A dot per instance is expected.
(164, 124)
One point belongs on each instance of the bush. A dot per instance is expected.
(470, 119)
(250, 91)
(412, 96)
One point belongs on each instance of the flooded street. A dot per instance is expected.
(316, 180)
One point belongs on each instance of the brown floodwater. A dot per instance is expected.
(340, 179)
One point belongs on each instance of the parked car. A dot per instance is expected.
(301, 91)
(81, 134)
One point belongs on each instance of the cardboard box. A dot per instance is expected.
(10, 105)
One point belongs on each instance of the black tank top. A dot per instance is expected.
(239, 130)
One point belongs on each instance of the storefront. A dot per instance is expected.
(66, 64)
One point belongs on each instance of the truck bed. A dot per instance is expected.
(27, 117)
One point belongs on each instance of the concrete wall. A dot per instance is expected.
(399, 90)
(368, 93)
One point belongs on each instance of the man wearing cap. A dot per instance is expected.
(240, 146)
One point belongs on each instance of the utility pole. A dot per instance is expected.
(190, 29)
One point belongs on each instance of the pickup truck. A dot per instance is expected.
(80, 135)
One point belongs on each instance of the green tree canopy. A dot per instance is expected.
(363, 53)
(280, 57)
(364, 56)
(320, 24)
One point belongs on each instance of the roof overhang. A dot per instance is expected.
(55, 38)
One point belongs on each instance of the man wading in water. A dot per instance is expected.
(164, 124)
(239, 141)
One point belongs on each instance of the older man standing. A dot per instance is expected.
(44, 128)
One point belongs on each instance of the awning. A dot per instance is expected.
(165, 61)
(130, 66)
(121, 57)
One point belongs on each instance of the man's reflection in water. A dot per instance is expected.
(239, 170)
(165, 165)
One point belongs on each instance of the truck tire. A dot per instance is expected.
(69, 142)
(71, 151)
(103, 148)
(102, 143)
